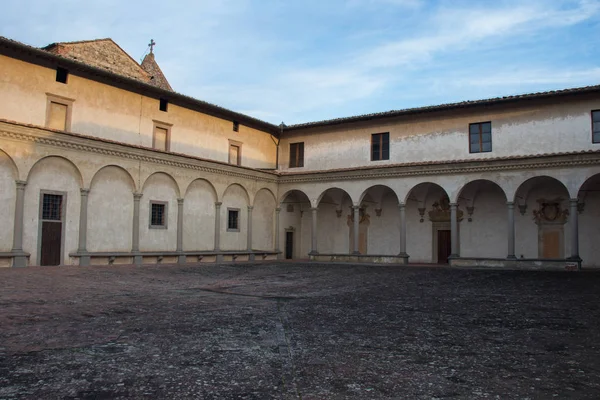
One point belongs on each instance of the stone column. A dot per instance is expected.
(84, 258)
(313, 232)
(218, 230)
(511, 230)
(574, 217)
(180, 256)
(249, 233)
(356, 227)
(19, 256)
(454, 231)
(135, 241)
(277, 211)
(403, 253)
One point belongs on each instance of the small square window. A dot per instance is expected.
(480, 137)
(158, 214)
(164, 105)
(61, 75)
(596, 126)
(236, 126)
(296, 155)
(380, 146)
(235, 153)
(233, 219)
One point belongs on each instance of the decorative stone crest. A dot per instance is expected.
(470, 211)
(338, 213)
(422, 214)
(550, 212)
(363, 216)
(378, 212)
(440, 211)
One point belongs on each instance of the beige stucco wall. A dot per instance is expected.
(235, 197)
(199, 216)
(519, 130)
(7, 201)
(263, 221)
(159, 187)
(107, 112)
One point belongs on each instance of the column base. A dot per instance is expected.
(251, 257)
(511, 257)
(453, 256)
(356, 253)
(84, 260)
(313, 253)
(219, 258)
(181, 259)
(137, 259)
(19, 259)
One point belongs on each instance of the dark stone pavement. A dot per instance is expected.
(298, 331)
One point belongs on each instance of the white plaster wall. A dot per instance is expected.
(305, 232)
(235, 197)
(589, 231)
(53, 174)
(333, 232)
(526, 230)
(300, 223)
(263, 221)
(199, 217)
(418, 235)
(527, 129)
(384, 231)
(487, 234)
(7, 202)
(159, 187)
(110, 211)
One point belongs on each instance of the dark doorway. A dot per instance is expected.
(444, 246)
(52, 226)
(289, 245)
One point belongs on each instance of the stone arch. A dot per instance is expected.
(332, 189)
(283, 197)
(262, 190)
(334, 221)
(110, 210)
(484, 205)
(295, 224)
(9, 173)
(131, 180)
(169, 176)
(378, 186)
(52, 175)
(424, 188)
(541, 216)
(379, 221)
(233, 185)
(199, 216)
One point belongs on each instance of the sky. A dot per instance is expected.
(310, 60)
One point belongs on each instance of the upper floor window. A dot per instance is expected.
(161, 138)
(235, 152)
(236, 126)
(61, 75)
(296, 155)
(163, 105)
(596, 126)
(380, 146)
(480, 137)
(58, 112)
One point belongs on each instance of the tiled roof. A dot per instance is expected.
(157, 78)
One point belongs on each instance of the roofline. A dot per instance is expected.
(23, 52)
(447, 107)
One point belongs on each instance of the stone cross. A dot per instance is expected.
(152, 44)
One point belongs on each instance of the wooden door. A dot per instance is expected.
(289, 245)
(444, 247)
(52, 227)
(551, 243)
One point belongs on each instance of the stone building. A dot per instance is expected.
(101, 162)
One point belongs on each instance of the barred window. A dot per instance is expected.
(480, 137)
(158, 214)
(52, 207)
(233, 219)
(596, 126)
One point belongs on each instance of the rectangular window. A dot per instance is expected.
(235, 153)
(164, 104)
(58, 112)
(596, 126)
(61, 75)
(480, 137)
(236, 126)
(158, 214)
(52, 207)
(380, 146)
(233, 219)
(161, 137)
(296, 155)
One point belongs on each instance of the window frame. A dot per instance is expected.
(60, 73)
(592, 124)
(162, 125)
(480, 137)
(65, 101)
(239, 153)
(239, 214)
(298, 162)
(165, 224)
(381, 135)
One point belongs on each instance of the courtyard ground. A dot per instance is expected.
(298, 331)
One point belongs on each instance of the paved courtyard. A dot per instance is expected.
(298, 331)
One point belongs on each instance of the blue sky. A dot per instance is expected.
(311, 60)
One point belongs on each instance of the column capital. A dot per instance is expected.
(574, 201)
(401, 205)
(356, 208)
(137, 196)
(21, 184)
(453, 204)
(179, 201)
(218, 204)
(84, 192)
(510, 204)
(250, 208)
(278, 209)
(314, 209)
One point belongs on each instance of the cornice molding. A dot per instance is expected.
(22, 133)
